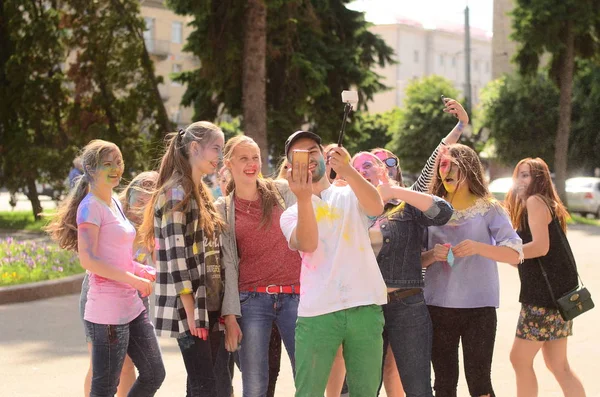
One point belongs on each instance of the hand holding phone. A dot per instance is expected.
(445, 102)
(299, 157)
(300, 178)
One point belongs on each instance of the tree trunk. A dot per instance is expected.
(561, 144)
(32, 195)
(254, 77)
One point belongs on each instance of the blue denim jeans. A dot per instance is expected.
(110, 343)
(409, 331)
(207, 362)
(259, 312)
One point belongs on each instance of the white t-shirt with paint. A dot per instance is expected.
(342, 272)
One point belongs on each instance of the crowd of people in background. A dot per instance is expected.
(366, 282)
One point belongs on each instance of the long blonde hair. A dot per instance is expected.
(266, 188)
(145, 183)
(175, 170)
(63, 226)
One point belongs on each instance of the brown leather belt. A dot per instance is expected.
(403, 293)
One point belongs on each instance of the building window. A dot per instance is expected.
(176, 32)
(441, 59)
(416, 56)
(149, 33)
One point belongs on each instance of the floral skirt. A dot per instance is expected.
(541, 324)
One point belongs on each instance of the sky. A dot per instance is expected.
(428, 12)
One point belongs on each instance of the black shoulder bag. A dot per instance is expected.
(577, 301)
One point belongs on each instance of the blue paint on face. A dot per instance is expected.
(319, 171)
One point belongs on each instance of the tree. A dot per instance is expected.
(565, 29)
(422, 123)
(254, 75)
(521, 114)
(114, 89)
(369, 131)
(314, 50)
(136, 25)
(33, 97)
(584, 142)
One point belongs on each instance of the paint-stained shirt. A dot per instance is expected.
(471, 281)
(265, 258)
(110, 301)
(342, 272)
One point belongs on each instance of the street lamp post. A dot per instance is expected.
(467, 61)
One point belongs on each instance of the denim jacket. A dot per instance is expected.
(231, 261)
(403, 230)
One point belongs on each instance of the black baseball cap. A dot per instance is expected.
(299, 135)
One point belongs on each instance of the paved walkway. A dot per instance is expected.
(43, 352)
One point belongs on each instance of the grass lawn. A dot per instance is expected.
(23, 220)
(578, 219)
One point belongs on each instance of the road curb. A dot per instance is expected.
(41, 290)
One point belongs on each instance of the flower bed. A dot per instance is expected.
(29, 261)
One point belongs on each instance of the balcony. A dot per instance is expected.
(158, 48)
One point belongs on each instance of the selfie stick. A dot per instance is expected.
(347, 110)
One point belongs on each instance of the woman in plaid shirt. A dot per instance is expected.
(184, 227)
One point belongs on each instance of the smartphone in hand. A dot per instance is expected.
(300, 157)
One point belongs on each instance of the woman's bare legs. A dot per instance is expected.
(555, 357)
(521, 356)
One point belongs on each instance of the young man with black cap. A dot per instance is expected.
(342, 286)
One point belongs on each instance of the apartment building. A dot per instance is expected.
(166, 34)
(421, 51)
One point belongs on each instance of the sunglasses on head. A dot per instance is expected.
(391, 162)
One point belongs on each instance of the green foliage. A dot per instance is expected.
(369, 131)
(71, 72)
(113, 95)
(584, 142)
(33, 97)
(422, 122)
(231, 128)
(521, 114)
(315, 49)
(540, 26)
(29, 261)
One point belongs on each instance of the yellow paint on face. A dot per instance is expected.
(324, 212)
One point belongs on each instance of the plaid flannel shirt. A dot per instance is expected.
(180, 263)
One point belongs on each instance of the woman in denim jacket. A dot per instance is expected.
(396, 238)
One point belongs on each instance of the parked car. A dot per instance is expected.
(583, 195)
(499, 187)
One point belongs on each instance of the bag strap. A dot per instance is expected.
(546, 278)
(567, 248)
